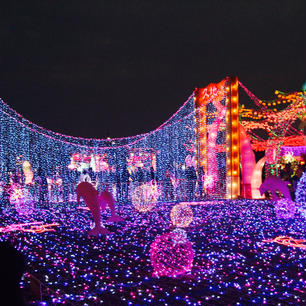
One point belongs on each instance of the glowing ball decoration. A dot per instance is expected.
(144, 197)
(22, 199)
(171, 254)
(181, 215)
(284, 209)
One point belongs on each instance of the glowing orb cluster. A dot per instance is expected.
(284, 208)
(171, 254)
(144, 197)
(181, 215)
(22, 199)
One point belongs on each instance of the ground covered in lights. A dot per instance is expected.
(232, 263)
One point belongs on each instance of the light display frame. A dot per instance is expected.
(179, 139)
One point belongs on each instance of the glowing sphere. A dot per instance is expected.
(144, 197)
(284, 208)
(22, 199)
(181, 215)
(171, 254)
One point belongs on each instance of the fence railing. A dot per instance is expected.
(123, 192)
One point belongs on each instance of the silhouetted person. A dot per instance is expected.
(191, 177)
(118, 187)
(125, 183)
(66, 184)
(43, 186)
(12, 268)
(5, 198)
(200, 180)
(152, 174)
(84, 177)
(92, 176)
(15, 177)
(139, 176)
(168, 186)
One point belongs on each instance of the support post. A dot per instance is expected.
(233, 139)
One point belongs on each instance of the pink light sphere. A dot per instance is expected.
(171, 254)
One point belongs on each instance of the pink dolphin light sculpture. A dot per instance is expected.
(95, 202)
(273, 184)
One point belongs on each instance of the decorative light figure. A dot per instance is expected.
(28, 173)
(22, 200)
(171, 254)
(145, 196)
(288, 158)
(181, 215)
(208, 181)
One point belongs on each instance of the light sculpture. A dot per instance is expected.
(273, 184)
(171, 254)
(28, 173)
(256, 180)
(145, 196)
(181, 215)
(90, 195)
(21, 199)
(248, 162)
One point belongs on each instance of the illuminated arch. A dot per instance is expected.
(206, 127)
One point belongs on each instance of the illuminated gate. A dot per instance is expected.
(217, 142)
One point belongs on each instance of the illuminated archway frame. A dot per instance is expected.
(226, 114)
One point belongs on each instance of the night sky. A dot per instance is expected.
(122, 67)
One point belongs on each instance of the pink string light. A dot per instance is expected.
(30, 227)
(253, 97)
(288, 241)
(139, 137)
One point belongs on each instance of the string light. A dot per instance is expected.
(224, 251)
(289, 241)
(181, 215)
(230, 258)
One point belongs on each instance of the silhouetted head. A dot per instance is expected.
(12, 266)
(12, 262)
